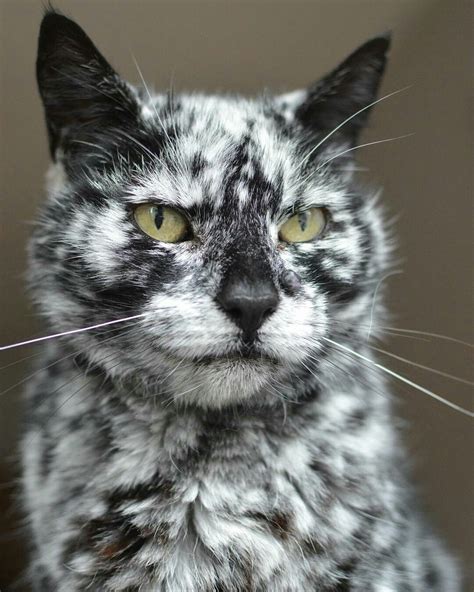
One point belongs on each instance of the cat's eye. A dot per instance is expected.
(162, 223)
(303, 226)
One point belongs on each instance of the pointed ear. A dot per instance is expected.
(81, 92)
(352, 86)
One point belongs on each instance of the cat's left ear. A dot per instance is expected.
(351, 87)
(82, 94)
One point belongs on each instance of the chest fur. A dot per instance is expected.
(170, 502)
(243, 516)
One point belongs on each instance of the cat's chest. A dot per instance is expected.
(202, 528)
(232, 512)
(155, 499)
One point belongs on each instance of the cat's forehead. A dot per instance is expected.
(220, 149)
(219, 130)
(210, 115)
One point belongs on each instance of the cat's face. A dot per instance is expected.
(221, 218)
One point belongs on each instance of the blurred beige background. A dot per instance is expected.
(427, 180)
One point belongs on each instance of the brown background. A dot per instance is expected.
(427, 180)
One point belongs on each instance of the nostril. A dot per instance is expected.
(247, 304)
(268, 313)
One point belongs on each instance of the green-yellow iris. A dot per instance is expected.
(303, 226)
(162, 223)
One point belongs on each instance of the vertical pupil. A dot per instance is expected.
(157, 212)
(303, 220)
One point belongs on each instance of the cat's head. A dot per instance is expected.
(235, 224)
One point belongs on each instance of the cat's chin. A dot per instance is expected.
(222, 381)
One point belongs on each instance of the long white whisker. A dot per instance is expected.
(362, 381)
(76, 392)
(362, 146)
(68, 356)
(72, 332)
(402, 378)
(395, 92)
(428, 334)
(396, 330)
(422, 366)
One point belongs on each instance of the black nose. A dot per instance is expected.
(248, 303)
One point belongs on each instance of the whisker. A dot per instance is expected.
(71, 355)
(388, 333)
(428, 334)
(359, 379)
(422, 366)
(78, 390)
(402, 378)
(395, 330)
(71, 332)
(338, 127)
(35, 355)
(362, 146)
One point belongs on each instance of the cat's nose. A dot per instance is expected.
(248, 303)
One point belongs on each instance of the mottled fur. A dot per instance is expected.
(166, 454)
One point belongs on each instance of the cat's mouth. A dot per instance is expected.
(245, 355)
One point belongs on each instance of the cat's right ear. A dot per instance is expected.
(340, 102)
(82, 94)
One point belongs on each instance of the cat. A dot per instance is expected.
(223, 426)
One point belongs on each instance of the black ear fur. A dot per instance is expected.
(81, 92)
(352, 86)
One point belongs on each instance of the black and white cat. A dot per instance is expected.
(232, 434)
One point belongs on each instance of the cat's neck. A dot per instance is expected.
(351, 416)
(350, 407)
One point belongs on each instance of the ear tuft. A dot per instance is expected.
(79, 88)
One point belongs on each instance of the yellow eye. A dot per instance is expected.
(303, 226)
(162, 223)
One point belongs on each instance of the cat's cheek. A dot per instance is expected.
(295, 329)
